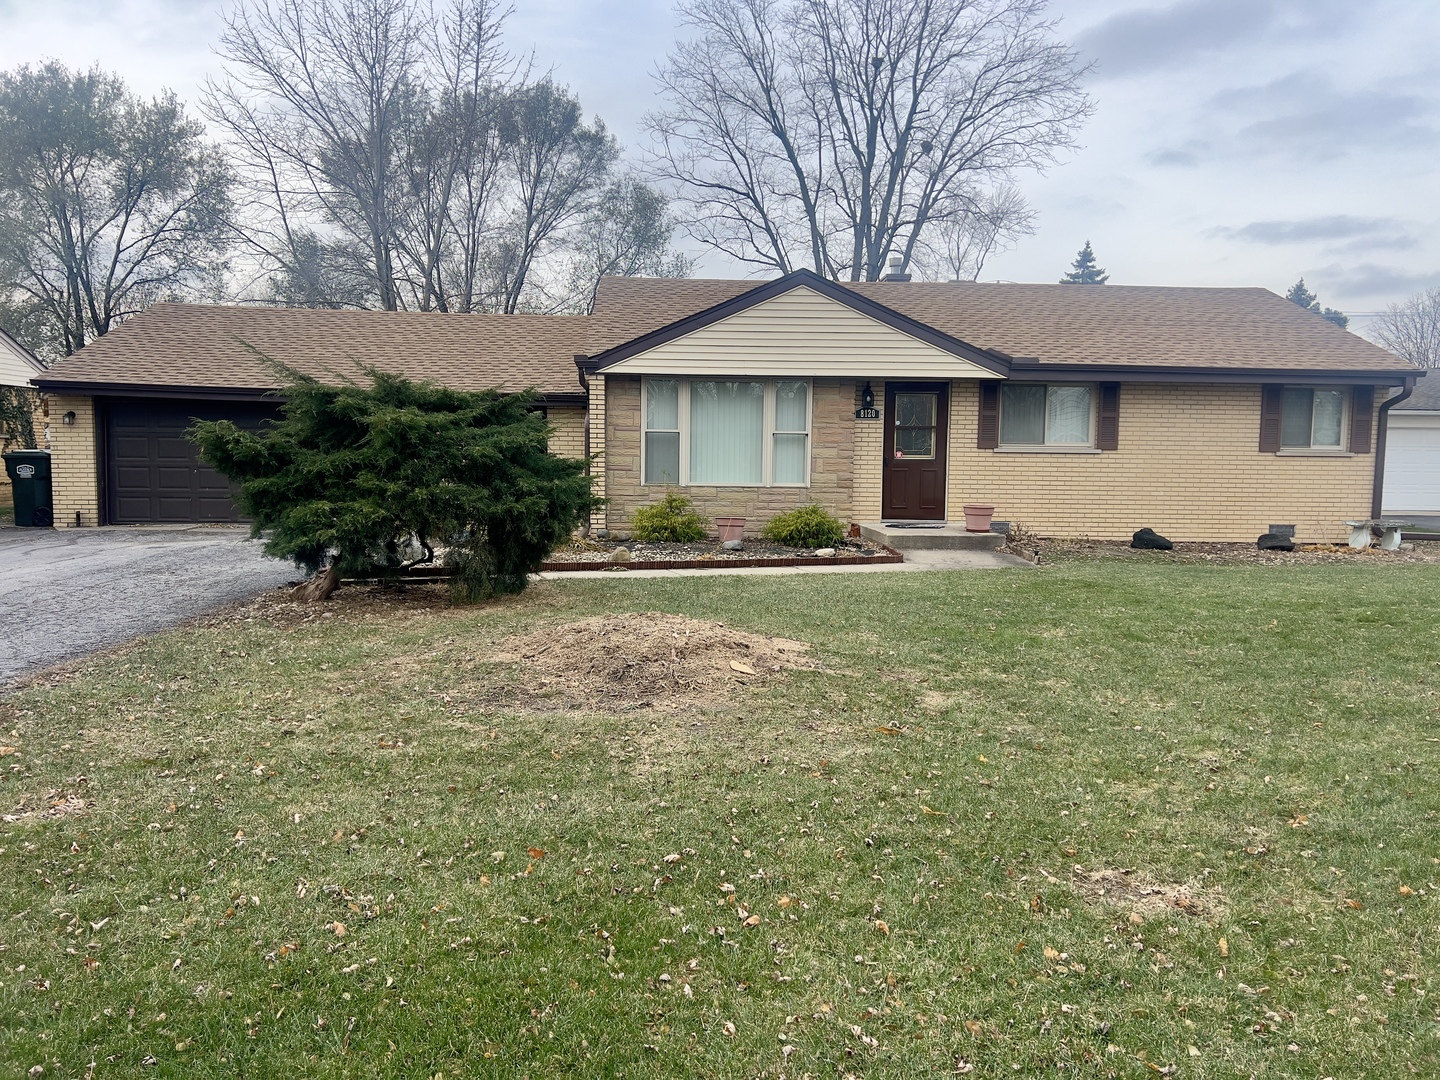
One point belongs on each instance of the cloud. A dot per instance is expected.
(1138, 40)
(1182, 159)
(1146, 39)
(1335, 227)
(1306, 116)
(1371, 280)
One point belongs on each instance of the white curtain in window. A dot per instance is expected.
(662, 431)
(1067, 415)
(1022, 415)
(791, 424)
(1329, 418)
(727, 429)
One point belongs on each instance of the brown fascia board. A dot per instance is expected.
(222, 393)
(988, 359)
(1034, 369)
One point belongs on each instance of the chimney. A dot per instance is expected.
(892, 272)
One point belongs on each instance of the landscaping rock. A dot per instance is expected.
(824, 553)
(1150, 540)
(1271, 541)
(732, 545)
(620, 555)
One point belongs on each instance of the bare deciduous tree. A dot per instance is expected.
(107, 204)
(835, 132)
(1411, 328)
(958, 247)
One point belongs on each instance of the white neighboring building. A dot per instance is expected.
(17, 365)
(1412, 452)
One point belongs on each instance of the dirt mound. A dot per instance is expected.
(650, 660)
(1129, 891)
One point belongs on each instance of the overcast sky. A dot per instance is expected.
(1236, 142)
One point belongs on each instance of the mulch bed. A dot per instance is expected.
(1028, 547)
(596, 554)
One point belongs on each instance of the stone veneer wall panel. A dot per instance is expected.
(832, 461)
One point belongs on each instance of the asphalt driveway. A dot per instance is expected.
(64, 593)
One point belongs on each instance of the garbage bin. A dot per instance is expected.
(29, 472)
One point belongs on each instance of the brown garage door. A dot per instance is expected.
(153, 475)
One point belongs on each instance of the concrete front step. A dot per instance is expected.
(948, 537)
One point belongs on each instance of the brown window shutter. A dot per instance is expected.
(1271, 394)
(1107, 434)
(988, 433)
(1362, 413)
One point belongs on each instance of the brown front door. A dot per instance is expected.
(916, 418)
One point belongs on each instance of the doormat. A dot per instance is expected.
(914, 524)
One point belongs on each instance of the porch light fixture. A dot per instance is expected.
(68, 419)
(867, 397)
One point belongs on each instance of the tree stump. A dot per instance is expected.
(317, 588)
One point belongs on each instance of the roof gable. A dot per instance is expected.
(800, 325)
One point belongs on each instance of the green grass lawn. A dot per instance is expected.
(1266, 736)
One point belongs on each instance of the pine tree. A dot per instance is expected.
(1300, 296)
(368, 481)
(1084, 271)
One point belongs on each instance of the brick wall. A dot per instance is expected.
(568, 438)
(595, 422)
(1187, 466)
(832, 461)
(73, 460)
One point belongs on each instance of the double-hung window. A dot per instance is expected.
(747, 432)
(1312, 418)
(1033, 414)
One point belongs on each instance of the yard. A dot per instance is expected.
(1124, 817)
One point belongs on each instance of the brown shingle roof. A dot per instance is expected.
(205, 347)
(1426, 396)
(1110, 325)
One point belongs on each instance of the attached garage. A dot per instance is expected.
(1412, 453)
(151, 472)
(117, 411)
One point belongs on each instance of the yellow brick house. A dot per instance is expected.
(1206, 414)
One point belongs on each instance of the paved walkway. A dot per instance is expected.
(914, 560)
(67, 592)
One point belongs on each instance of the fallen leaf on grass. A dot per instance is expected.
(974, 1027)
(1224, 947)
(744, 669)
(888, 729)
(1051, 953)
(728, 1028)
(535, 852)
(1353, 904)
(882, 926)
(1405, 890)
(752, 921)
(338, 927)
(938, 813)
(785, 901)
(6, 751)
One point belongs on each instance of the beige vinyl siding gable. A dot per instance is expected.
(800, 333)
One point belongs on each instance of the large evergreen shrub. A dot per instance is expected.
(369, 480)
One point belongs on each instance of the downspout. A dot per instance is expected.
(1377, 488)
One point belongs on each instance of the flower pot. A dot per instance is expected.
(730, 528)
(977, 518)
